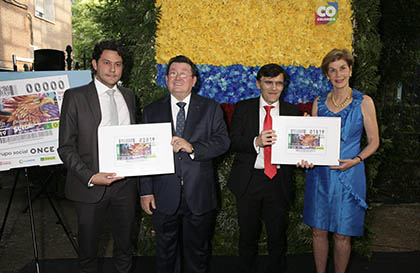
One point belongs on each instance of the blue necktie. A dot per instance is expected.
(180, 119)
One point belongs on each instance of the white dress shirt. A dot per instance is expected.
(104, 101)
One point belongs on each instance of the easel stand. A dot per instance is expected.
(44, 189)
(31, 215)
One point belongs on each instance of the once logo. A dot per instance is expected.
(42, 150)
(327, 15)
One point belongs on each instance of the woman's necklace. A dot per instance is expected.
(346, 100)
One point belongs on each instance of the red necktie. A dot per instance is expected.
(269, 169)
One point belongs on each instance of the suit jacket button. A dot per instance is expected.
(180, 158)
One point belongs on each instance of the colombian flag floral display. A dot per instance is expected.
(230, 40)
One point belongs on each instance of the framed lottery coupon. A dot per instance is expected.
(131, 150)
(315, 139)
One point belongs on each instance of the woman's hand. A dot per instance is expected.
(346, 164)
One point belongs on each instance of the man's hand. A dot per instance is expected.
(180, 144)
(146, 202)
(304, 164)
(105, 179)
(267, 137)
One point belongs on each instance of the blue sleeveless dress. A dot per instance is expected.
(335, 200)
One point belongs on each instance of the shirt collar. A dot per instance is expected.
(102, 88)
(264, 103)
(186, 100)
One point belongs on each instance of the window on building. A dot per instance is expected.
(45, 9)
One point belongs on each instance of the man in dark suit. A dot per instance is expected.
(262, 190)
(84, 109)
(183, 204)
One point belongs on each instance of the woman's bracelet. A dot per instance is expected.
(359, 157)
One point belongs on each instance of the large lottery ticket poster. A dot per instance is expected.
(29, 121)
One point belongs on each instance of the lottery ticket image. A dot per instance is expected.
(23, 114)
(136, 148)
(306, 140)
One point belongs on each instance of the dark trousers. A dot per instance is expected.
(183, 232)
(120, 202)
(263, 201)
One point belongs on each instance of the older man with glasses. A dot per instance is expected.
(183, 204)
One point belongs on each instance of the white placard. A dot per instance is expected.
(315, 139)
(132, 150)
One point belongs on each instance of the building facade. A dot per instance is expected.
(28, 25)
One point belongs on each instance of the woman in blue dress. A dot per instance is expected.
(335, 195)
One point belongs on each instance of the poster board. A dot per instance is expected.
(30, 104)
(314, 139)
(136, 149)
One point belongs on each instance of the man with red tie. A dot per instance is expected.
(263, 191)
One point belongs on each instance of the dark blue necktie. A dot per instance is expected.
(180, 119)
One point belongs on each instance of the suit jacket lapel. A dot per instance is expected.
(193, 115)
(285, 109)
(282, 111)
(255, 114)
(92, 97)
(129, 104)
(166, 112)
(254, 118)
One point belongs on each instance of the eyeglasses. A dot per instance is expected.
(174, 74)
(273, 83)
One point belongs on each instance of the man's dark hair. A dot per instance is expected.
(182, 59)
(107, 45)
(271, 71)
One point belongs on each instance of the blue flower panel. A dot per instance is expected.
(230, 84)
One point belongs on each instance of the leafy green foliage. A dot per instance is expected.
(134, 23)
(85, 31)
(400, 30)
(367, 46)
(299, 235)
(397, 180)
(226, 235)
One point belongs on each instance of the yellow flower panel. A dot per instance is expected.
(250, 32)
